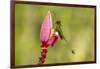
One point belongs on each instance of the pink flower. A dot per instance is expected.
(46, 36)
(46, 28)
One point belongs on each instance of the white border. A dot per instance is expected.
(5, 34)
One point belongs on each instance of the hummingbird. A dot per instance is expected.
(60, 32)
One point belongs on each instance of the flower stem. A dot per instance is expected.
(43, 56)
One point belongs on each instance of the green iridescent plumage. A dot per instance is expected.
(59, 30)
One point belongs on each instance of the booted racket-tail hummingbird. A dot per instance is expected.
(61, 35)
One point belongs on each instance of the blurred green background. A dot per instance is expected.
(77, 25)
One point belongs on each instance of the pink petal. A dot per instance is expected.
(53, 39)
(46, 28)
